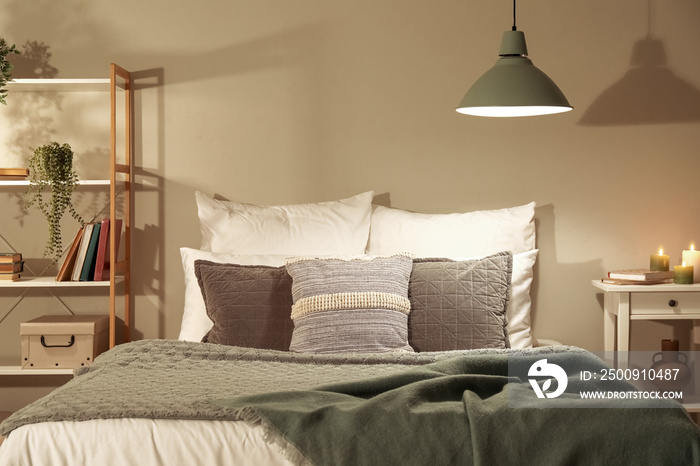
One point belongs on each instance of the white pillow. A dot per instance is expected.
(324, 228)
(520, 303)
(470, 234)
(195, 321)
(463, 236)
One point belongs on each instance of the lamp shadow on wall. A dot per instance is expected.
(648, 93)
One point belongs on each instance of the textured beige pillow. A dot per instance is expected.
(459, 305)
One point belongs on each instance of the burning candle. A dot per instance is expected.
(659, 261)
(683, 274)
(692, 257)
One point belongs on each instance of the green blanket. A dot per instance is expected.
(456, 412)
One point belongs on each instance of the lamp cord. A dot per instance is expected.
(514, 28)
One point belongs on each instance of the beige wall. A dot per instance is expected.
(306, 100)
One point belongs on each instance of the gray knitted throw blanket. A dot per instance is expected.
(458, 405)
(171, 379)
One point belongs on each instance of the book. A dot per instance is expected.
(82, 251)
(88, 272)
(23, 172)
(102, 263)
(64, 274)
(9, 276)
(640, 274)
(102, 247)
(9, 257)
(617, 281)
(12, 267)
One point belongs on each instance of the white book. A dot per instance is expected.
(640, 274)
(82, 251)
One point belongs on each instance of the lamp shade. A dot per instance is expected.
(514, 86)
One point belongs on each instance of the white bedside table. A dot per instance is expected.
(646, 302)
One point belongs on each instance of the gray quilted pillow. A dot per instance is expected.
(354, 305)
(250, 305)
(457, 305)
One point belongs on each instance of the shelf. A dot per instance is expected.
(8, 368)
(50, 282)
(58, 85)
(80, 182)
(120, 174)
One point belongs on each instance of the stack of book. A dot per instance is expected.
(88, 256)
(13, 174)
(638, 277)
(11, 266)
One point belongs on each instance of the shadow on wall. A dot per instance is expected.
(547, 318)
(32, 117)
(148, 256)
(33, 62)
(649, 93)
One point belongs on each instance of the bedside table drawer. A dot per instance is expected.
(674, 304)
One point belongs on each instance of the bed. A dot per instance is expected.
(348, 333)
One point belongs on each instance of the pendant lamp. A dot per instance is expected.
(514, 86)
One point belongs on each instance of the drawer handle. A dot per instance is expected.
(673, 303)
(43, 343)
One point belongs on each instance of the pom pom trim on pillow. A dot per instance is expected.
(358, 300)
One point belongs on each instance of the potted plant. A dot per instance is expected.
(51, 168)
(5, 68)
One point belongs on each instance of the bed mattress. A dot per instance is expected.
(139, 441)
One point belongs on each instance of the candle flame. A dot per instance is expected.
(692, 247)
(661, 252)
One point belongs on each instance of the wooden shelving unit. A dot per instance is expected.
(119, 86)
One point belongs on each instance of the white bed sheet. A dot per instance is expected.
(139, 442)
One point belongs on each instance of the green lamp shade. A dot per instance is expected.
(514, 86)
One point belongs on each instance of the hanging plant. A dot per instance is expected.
(51, 168)
(5, 68)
